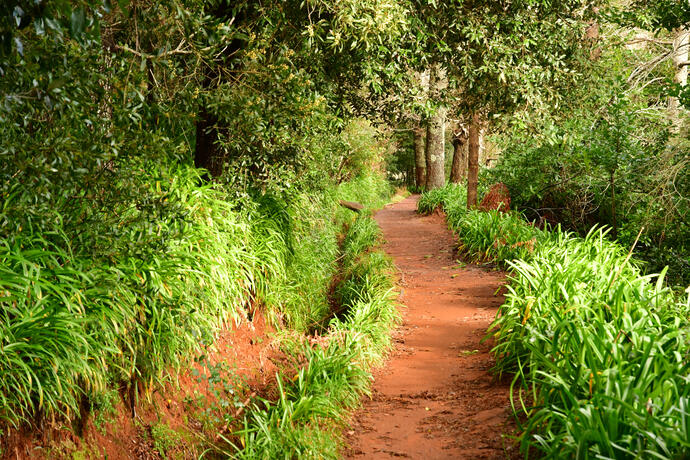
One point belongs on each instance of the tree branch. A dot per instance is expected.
(177, 50)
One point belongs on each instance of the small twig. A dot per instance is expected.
(177, 50)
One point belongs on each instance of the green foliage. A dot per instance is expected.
(400, 165)
(104, 405)
(364, 233)
(503, 56)
(366, 149)
(369, 189)
(496, 236)
(300, 423)
(485, 235)
(611, 153)
(600, 170)
(597, 349)
(159, 278)
(164, 438)
(450, 198)
(655, 15)
(84, 320)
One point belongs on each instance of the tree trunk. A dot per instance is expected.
(473, 161)
(482, 147)
(681, 45)
(614, 233)
(435, 135)
(458, 170)
(206, 151)
(419, 158)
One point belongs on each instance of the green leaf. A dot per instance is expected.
(77, 22)
(123, 4)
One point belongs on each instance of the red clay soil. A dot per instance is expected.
(252, 358)
(435, 398)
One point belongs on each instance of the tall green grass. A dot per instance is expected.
(448, 197)
(598, 351)
(71, 324)
(303, 422)
(76, 319)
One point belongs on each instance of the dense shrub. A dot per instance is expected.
(598, 350)
(122, 295)
(300, 423)
(611, 159)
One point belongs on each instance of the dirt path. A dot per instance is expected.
(435, 398)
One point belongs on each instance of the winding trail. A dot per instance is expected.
(435, 398)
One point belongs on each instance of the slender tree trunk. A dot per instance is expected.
(473, 161)
(613, 204)
(206, 151)
(482, 146)
(681, 45)
(435, 135)
(458, 170)
(419, 158)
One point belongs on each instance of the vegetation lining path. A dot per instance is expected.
(435, 399)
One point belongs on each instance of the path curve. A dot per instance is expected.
(435, 398)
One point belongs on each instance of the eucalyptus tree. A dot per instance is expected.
(458, 169)
(503, 54)
(436, 131)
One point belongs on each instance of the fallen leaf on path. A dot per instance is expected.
(468, 352)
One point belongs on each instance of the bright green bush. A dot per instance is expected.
(450, 196)
(137, 288)
(598, 351)
(301, 423)
(495, 236)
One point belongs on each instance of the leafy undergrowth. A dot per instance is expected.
(599, 352)
(305, 421)
(446, 198)
(141, 310)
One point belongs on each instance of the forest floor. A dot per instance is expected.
(435, 398)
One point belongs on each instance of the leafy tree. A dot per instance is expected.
(503, 55)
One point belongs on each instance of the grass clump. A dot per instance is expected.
(495, 236)
(598, 350)
(447, 197)
(303, 422)
(363, 234)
